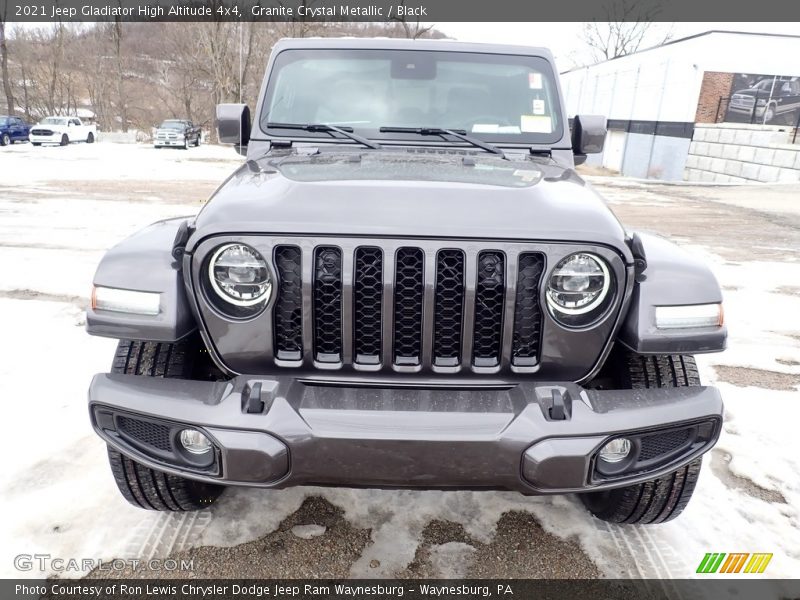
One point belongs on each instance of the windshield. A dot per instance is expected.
(171, 125)
(765, 85)
(4, 121)
(498, 98)
(54, 121)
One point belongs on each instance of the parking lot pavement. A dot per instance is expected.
(53, 230)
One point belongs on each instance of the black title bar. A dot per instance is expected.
(398, 10)
(383, 589)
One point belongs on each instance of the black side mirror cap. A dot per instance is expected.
(588, 134)
(233, 124)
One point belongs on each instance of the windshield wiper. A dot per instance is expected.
(457, 133)
(324, 127)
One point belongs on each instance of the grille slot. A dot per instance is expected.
(658, 444)
(155, 435)
(408, 297)
(328, 304)
(367, 303)
(448, 308)
(527, 310)
(288, 311)
(489, 300)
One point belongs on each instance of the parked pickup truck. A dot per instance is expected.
(767, 100)
(407, 285)
(177, 132)
(13, 129)
(62, 131)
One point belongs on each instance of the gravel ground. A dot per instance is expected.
(314, 537)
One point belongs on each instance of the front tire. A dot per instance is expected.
(64, 140)
(663, 498)
(37, 144)
(140, 485)
(5, 140)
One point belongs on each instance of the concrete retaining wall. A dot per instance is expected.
(736, 153)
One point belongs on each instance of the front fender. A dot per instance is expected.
(672, 277)
(144, 262)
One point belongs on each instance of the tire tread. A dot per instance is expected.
(665, 497)
(140, 485)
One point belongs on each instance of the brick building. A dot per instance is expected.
(654, 98)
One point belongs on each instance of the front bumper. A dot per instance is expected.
(308, 434)
(169, 142)
(55, 138)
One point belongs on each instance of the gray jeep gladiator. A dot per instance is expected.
(407, 285)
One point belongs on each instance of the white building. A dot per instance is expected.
(653, 98)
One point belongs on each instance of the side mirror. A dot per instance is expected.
(233, 125)
(588, 134)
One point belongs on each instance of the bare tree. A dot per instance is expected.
(629, 25)
(4, 62)
(412, 29)
(122, 101)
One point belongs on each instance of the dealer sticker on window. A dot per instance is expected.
(535, 81)
(535, 124)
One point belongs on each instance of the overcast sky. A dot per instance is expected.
(564, 38)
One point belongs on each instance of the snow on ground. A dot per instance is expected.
(23, 164)
(58, 495)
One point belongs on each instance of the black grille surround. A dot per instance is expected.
(367, 305)
(449, 307)
(288, 311)
(403, 307)
(528, 312)
(328, 304)
(408, 298)
(489, 296)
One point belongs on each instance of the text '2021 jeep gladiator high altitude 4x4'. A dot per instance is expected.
(407, 285)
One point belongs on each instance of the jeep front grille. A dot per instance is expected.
(408, 306)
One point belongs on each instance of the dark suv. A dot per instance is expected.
(407, 285)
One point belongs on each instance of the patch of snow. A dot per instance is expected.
(451, 560)
(24, 164)
(307, 532)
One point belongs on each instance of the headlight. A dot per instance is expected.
(238, 275)
(578, 289)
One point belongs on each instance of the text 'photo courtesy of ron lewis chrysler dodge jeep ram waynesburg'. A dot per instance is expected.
(407, 285)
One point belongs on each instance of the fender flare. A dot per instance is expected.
(667, 275)
(144, 262)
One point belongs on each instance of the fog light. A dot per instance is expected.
(194, 441)
(616, 450)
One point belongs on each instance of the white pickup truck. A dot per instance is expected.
(62, 131)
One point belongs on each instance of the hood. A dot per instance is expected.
(409, 194)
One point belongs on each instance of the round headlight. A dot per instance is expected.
(239, 275)
(579, 284)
